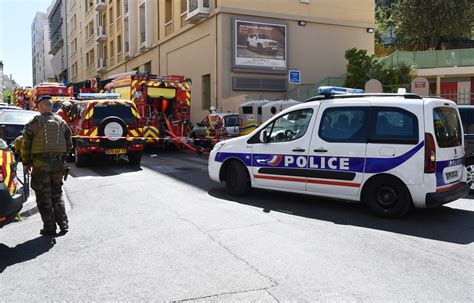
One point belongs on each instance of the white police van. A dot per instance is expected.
(390, 151)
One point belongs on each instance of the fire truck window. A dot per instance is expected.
(247, 110)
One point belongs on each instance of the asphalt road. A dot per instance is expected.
(166, 232)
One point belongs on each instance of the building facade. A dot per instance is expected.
(57, 36)
(232, 50)
(41, 59)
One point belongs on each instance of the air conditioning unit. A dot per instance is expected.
(197, 10)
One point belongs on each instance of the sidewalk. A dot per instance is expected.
(29, 207)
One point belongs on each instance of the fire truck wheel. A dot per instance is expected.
(135, 157)
(112, 127)
(80, 159)
(237, 179)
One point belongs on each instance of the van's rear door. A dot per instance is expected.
(448, 138)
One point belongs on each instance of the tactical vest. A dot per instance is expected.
(50, 138)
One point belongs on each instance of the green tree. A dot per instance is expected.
(423, 24)
(7, 96)
(362, 67)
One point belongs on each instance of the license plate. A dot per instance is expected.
(116, 151)
(452, 175)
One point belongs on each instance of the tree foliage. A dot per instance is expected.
(423, 24)
(362, 67)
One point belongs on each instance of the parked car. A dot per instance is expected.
(230, 126)
(467, 120)
(392, 152)
(12, 122)
(107, 128)
(12, 196)
(262, 43)
(7, 106)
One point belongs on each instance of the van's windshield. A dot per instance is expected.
(447, 127)
(117, 110)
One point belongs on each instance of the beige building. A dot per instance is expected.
(232, 50)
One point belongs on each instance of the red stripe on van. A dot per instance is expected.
(337, 183)
(312, 181)
(449, 187)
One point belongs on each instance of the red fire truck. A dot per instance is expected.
(57, 91)
(163, 103)
(22, 97)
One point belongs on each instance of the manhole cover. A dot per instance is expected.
(188, 169)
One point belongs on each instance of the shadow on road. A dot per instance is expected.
(442, 224)
(25, 251)
(103, 168)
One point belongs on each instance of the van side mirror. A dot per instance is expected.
(264, 136)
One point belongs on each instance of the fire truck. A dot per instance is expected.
(163, 103)
(22, 97)
(59, 93)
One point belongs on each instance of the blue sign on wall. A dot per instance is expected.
(294, 76)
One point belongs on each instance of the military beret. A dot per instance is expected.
(43, 98)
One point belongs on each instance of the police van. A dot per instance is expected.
(389, 151)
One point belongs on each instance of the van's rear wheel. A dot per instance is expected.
(387, 197)
(237, 179)
(80, 159)
(135, 157)
(470, 174)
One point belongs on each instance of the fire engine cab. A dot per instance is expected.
(162, 102)
(56, 90)
(22, 97)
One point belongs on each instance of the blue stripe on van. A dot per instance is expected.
(349, 164)
(378, 165)
(441, 165)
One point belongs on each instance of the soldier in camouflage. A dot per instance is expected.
(46, 142)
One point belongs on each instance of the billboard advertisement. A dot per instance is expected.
(260, 45)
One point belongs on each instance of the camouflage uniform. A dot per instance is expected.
(46, 141)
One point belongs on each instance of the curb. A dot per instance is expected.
(30, 208)
(29, 212)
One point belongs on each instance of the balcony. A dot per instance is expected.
(101, 34)
(100, 5)
(101, 65)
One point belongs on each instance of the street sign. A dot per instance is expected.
(294, 76)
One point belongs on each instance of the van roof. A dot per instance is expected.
(365, 95)
(373, 99)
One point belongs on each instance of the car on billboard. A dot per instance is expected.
(262, 43)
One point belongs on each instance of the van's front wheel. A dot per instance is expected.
(237, 179)
(387, 197)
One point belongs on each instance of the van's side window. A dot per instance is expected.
(393, 125)
(289, 127)
(344, 124)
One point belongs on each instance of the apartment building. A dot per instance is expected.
(41, 59)
(81, 37)
(232, 50)
(57, 36)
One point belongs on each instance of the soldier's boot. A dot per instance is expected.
(60, 214)
(47, 215)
